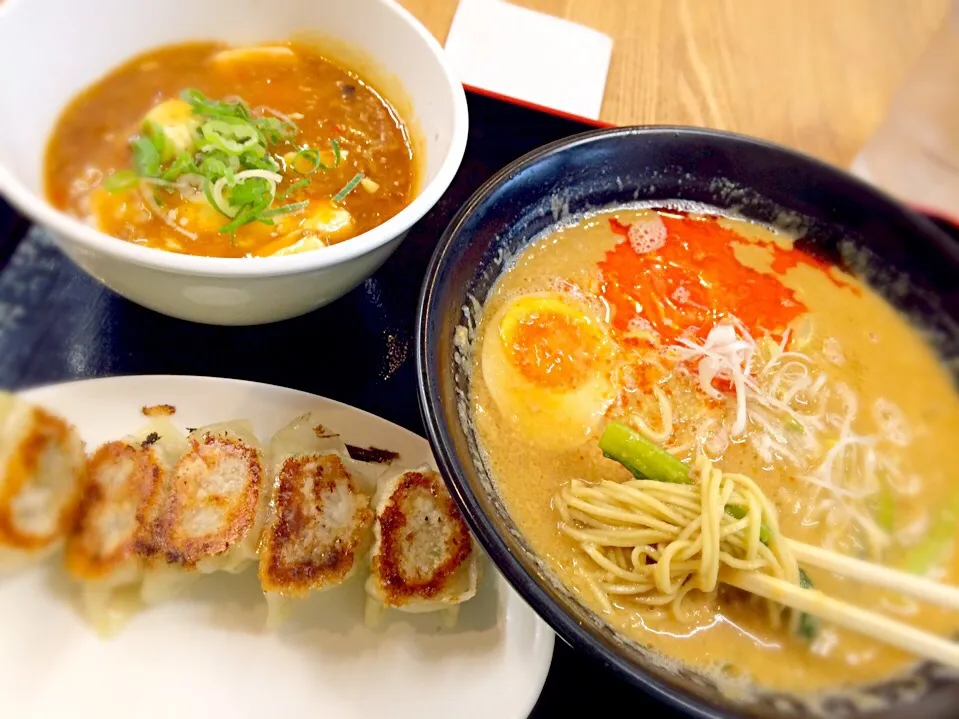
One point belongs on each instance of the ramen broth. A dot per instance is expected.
(906, 412)
(205, 149)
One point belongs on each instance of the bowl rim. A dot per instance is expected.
(521, 574)
(69, 230)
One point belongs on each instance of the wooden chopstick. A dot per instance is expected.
(814, 602)
(903, 583)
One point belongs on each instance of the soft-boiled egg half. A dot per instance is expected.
(546, 361)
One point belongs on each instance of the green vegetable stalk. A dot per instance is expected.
(808, 626)
(929, 552)
(646, 460)
(885, 509)
(739, 512)
(640, 456)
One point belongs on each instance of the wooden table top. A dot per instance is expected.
(816, 75)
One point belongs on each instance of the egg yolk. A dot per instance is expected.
(550, 344)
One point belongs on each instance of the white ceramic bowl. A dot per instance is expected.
(52, 49)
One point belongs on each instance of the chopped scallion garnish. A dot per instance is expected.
(120, 181)
(215, 108)
(337, 155)
(251, 161)
(293, 188)
(182, 165)
(275, 130)
(214, 166)
(808, 626)
(243, 217)
(348, 187)
(285, 209)
(154, 133)
(208, 192)
(146, 159)
(310, 155)
(252, 191)
(231, 138)
(229, 152)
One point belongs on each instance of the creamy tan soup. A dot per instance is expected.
(849, 428)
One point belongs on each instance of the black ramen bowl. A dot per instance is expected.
(901, 254)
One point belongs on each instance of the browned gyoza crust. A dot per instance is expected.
(172, 503)
(301, 550)
(398, 528)
(87, 557)
(22, 467)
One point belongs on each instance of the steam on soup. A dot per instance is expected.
(749, 394)
(231, 152)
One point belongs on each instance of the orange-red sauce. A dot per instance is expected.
(695, 279)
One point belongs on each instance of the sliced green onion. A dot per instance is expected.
(192, 96)
(312, 155)
(243, 217)
(232, 161)
(154, 133)
(230, 120)
(251, 161)
(247, 200)
(808, 626)
(293, 188)
(234, 139)
(276, 130)
(939, 540)
(146, 159)
(794, 425)
(337, 155)
(211, 190)
(216, 166)
(285, 209)
(349, 187)
(120, 181)
(251, 191)
(737, 511)
(885, 508)
(182, 165)
(215, 108)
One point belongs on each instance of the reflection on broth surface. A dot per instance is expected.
(716, 341)
(231, 152)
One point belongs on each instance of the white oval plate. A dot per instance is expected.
(207, 654)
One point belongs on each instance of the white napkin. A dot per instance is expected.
(530, 56)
